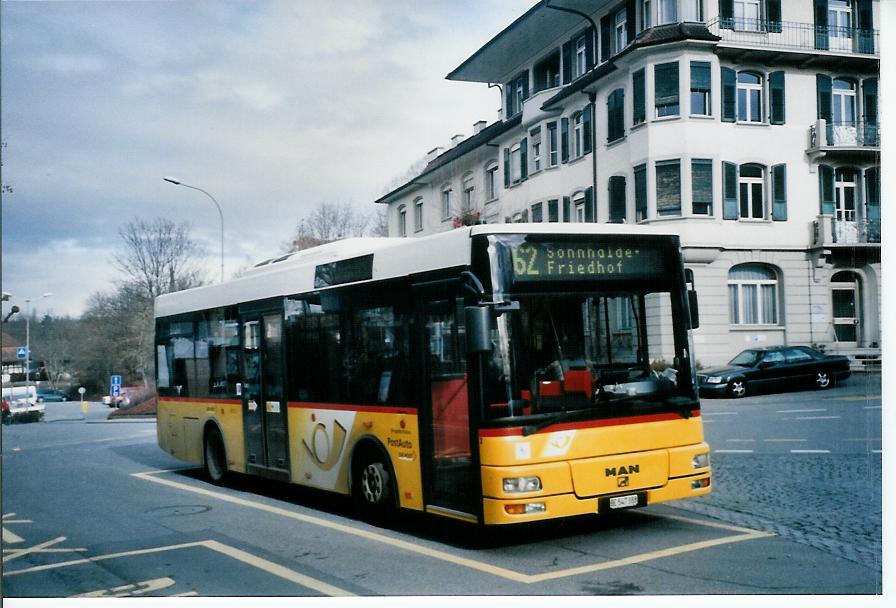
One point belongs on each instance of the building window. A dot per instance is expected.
(578, 134)
(701, 83)
(491, 181)
(467, 202)
(645, 15)
(547, 73)
(668, 187)
(693, 10)
(639, 98)
(579, 207)
(446, 202)
(516, 92)
(749, 97)
(665, 77)
(751, 191)
(580, 62)
(640, 193)
(537, 213)
(840, 25)
(845, 194)
(701, 186)
(748, 15)
(668, 12)
(515, 164)
(752, 295)
(621, 38)
(616, 115)
(418, 214)
(553, 147)
(553, 210)
(402, 221)
(844, 103)
(535, 139)
(617, 199)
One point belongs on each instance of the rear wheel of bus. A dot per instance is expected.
(215, 458)
(373, 486)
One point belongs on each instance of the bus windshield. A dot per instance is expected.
(587, 349)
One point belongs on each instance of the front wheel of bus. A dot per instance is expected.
(215, 459)
(373, 488)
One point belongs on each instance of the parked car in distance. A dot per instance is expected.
(771, 369)
(123, 398)
(50, 394)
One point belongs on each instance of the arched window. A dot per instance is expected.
(751, 184)
(749, 97)
(844, 102)
(752, 295)
(402, 221)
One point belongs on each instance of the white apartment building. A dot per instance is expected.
(750, 127)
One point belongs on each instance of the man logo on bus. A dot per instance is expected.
(325, 452)
(623, 470)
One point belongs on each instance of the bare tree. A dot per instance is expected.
(381, 222)
(328, 222)
(159, 256)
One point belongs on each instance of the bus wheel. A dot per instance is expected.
(738, 388)
(215, 459)
(373, 488)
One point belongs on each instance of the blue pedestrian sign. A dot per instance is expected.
(21, 352)
(116, 380)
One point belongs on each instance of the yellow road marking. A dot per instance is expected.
(743, 534)
(232, 552)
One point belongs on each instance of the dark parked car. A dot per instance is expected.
(773, 368)
(48, 394)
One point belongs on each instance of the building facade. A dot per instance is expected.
(750, 127)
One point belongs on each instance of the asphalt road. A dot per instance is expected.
(94, 507)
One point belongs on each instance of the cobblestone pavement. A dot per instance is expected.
(829, 502)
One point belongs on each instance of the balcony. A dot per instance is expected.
(802, 43)
(827, 232)
(855, 140)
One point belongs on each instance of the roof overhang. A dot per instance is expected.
(541, 23)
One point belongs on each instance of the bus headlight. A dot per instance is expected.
(700, 461)
(514, 485)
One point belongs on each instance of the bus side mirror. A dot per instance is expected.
(478, 320)
(695, 312)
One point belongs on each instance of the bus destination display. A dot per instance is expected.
(571, 261)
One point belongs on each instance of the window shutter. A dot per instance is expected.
(506, 167)
(666, 83)
(639, 106)
(729, 95)
(589, 48)
(524, 158)
(612, 100)
(668, 187)
(606, 37)
(779, 193)
(564, 140)
(701, 185)
(821, 24)
(773, 15)
(567, 212)
(589, 205)
(776, 98)
(872, 194)
(824, 86)
(866, 26)
(630, 20)
(617, 199)
(508, 100)
(726, 14)
(640, 192)
(729, 191)
(524, 76)
(871, 136)
(826, 188)
(586, 128)
(567, 62)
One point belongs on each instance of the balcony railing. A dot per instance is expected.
(762, 33)
(844, 135)
(828, 231)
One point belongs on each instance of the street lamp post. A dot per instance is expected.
(177, 182)
(28, 344)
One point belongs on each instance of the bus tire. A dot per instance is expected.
(373, 487)
(215, 456)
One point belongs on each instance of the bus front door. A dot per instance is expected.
(452, 475)
(264, 408)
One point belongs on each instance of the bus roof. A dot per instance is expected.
(392, 257)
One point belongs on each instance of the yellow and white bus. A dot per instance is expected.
(493, 374)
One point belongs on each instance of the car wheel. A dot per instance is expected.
(215, 457)
(373, 488)
(737, 388)
(823, 380)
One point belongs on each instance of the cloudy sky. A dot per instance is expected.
(273, 107)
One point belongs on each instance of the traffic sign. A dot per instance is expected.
(21, 352)
(116, 390)
(116, 380)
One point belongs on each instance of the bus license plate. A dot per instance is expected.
(623, 502)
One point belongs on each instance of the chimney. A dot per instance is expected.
(479, 126)
(456, 139)
(433, 154)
